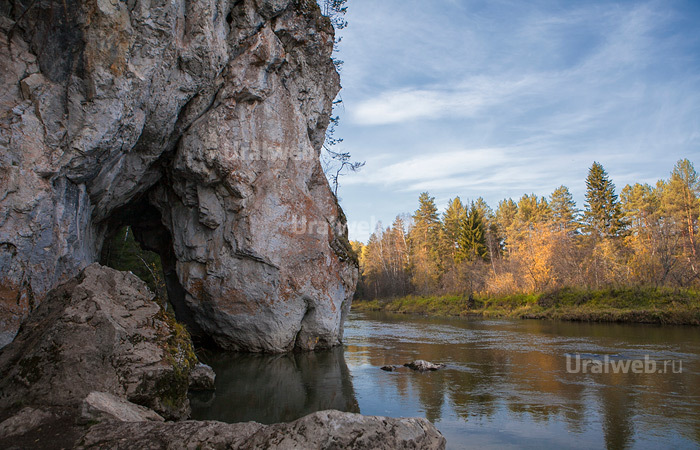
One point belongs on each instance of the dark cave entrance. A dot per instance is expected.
(136, 240)
(121, 251)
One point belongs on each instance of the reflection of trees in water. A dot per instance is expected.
(431, 393)
(515, 369)
(617, 408)
(276, 388)
(525, 372)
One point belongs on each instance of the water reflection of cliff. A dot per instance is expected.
(275, 388)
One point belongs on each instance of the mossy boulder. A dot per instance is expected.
(101, 331)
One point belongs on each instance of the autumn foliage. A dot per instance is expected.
(645, 237)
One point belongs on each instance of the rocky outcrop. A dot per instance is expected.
(324, 429)
(198, 123)
(99, 332)
(99, 365)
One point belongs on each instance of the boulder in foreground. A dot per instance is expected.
(320, 430)
(101, 332)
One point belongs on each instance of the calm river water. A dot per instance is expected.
(508, 384)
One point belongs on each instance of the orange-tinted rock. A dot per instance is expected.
(199, 124)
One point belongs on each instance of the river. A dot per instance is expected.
(507, 384)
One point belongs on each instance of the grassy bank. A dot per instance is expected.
(639, 305)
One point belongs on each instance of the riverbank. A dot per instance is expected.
(633, 305)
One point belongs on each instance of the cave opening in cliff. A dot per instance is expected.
(121, 251)
(136, 240)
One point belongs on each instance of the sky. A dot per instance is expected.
(501, 98)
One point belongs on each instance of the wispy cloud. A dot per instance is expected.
(498, 98)
(467, 100)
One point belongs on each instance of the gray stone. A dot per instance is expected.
(101, 406)
(424, 366)
(24, 421)
(200, 123)
(202, 378)
(320, 430)
(99, 332)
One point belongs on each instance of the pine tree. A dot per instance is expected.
(452, 222)
(639, 203)
(603, 216)
(564, 212)
(532, 210)
(505, 217)
(472, 237)
(426, 223)
(681, 203)
(493, 239)
(424, 240)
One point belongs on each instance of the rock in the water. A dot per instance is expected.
(99, 332)
(423, 366)
(101, 406)
(320, 430)
(197, 123)
(388, 368)
(202, 378)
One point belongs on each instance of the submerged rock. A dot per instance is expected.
(101, 332)
(424, 366)
(202, 378)
(324, 429)
(388, 368)
(197, 123)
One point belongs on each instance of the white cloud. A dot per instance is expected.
(465, 100)
(502, 98)
(428, 167)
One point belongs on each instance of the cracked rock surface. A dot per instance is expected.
(198, 123)
(322, 430)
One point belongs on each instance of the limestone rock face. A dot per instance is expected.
(199, 123)
(99, 332)
(322, 430)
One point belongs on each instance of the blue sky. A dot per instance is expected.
(501, 98)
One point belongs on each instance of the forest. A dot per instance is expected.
(645, 237)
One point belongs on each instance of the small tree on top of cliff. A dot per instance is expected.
(335, 10)
(336, 163)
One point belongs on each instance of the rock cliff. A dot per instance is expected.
(197, 123)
